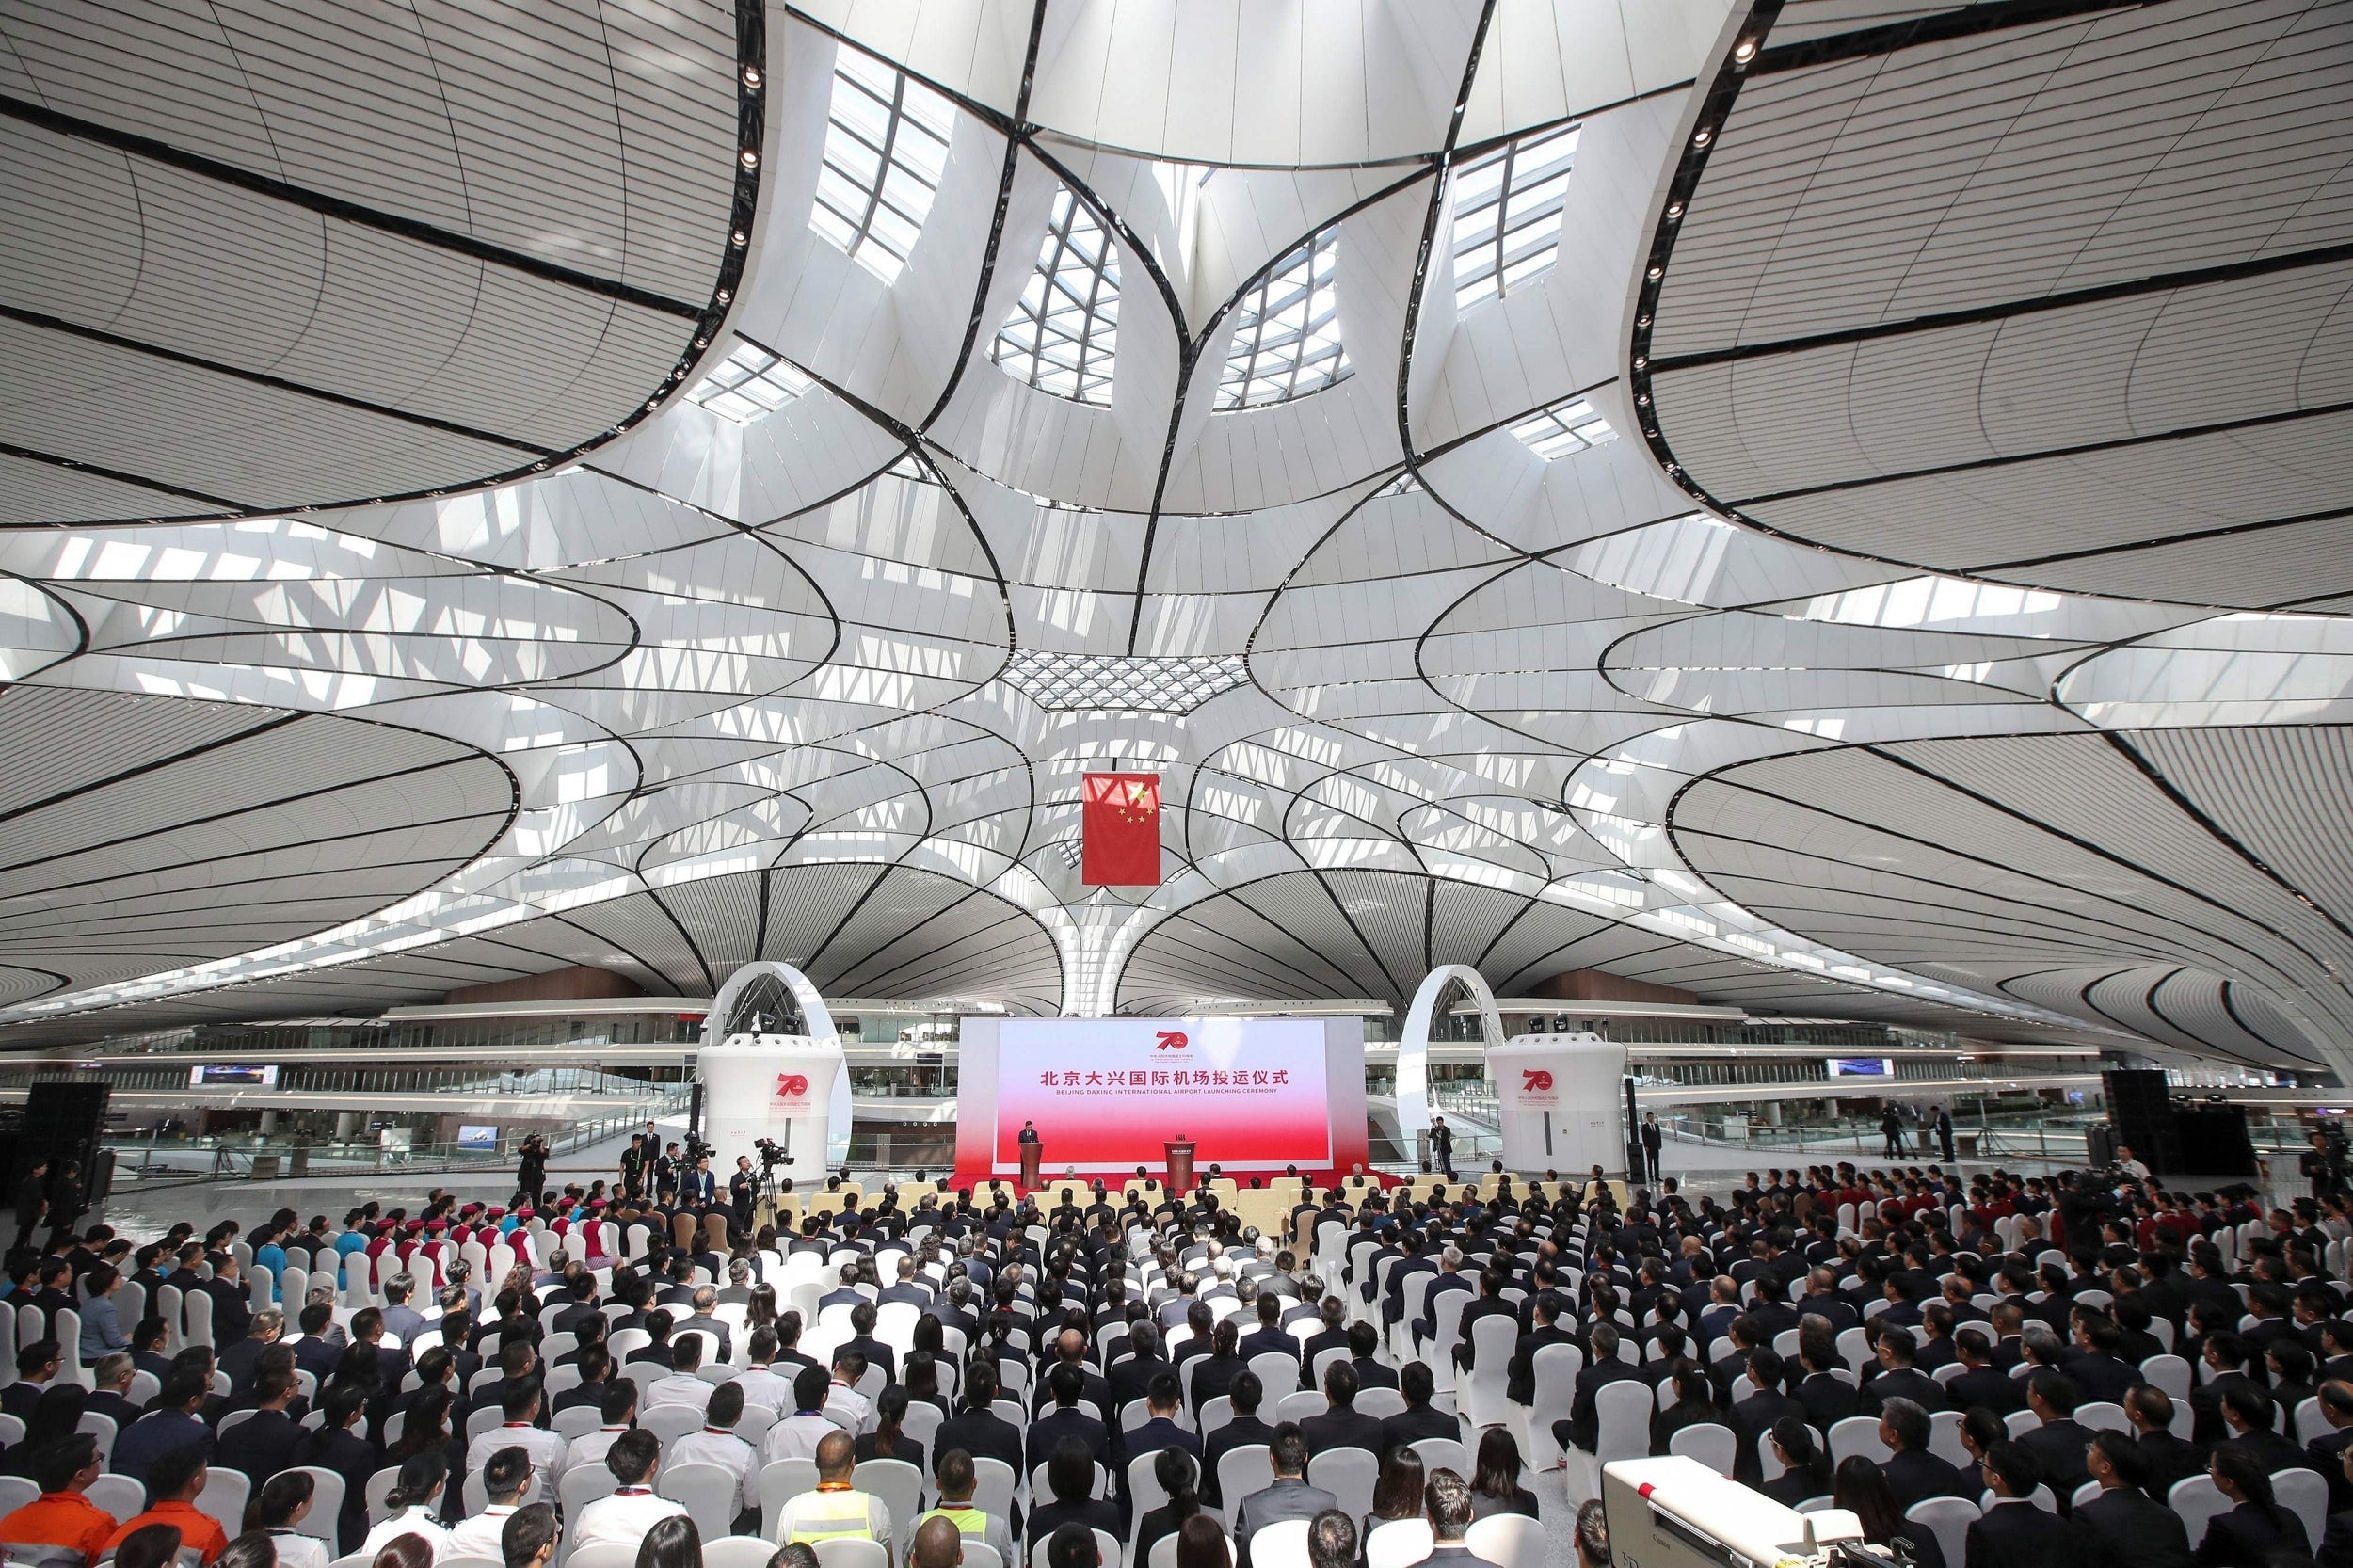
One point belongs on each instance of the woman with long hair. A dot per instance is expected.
(761, 1311)
(921, 1378)
(277, 1509)
(2257, 1529)
(1071, 1477)
(1397, 1490)
(1696, 1405)
(1201, 1544)
(1179, 1476)
(888, 1440)
(1495, 1485)
(1861, 1488)
(1805, 1468)
(411, 1506)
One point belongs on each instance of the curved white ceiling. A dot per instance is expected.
(1901, 606)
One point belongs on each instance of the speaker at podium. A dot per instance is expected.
(1032, 1152)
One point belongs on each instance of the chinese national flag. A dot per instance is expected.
(1119, 828)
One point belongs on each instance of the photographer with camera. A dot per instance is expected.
(531, 1171)
(743, 1188)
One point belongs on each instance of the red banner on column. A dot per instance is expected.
(1119, 830)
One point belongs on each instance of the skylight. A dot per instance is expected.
(1564, 428)
(1063, 332)
(1287, 332)
(1100, 682)
(1507, 214)
(749, 384)
(886, 144)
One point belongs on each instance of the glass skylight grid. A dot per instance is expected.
(749, 384)
(1104, 683)
(1564, 428)
(1287, 332)
(886, 146)
(1507, 214)
(1063, 333)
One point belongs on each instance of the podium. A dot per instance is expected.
(1030, 1155)
(1179, 1165)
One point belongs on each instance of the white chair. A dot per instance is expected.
(1242, 1471)
(1480, 1394)
(1858, 1434)
(1282, 1544)
(583, 1484)
(787, 1478)
(2020, 1422)
(1947, 1519)
(900, 1486)
(1381, 1403)
(993, 1483)
(750, 1551)
(2103, 1415)
(671, 1422)
(1944, 1438)
(1711, 1445)
(2306, 1493)
(2310, 1425)
(707, 1491)
(379, 1494)
(15, 1492)
(1398, 1543)
(327, 1501)
(1277, 1370)
(1445, 1453)
(1554, 1374)
(467, 1559)
(121, 1496)
(1347, 1474)
(224, 1496)
(1509, 1540)
(613, 1554)
(2198, 1501)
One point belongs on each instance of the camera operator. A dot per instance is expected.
(531, 1169)
(743, 1187)
(2323, 1164)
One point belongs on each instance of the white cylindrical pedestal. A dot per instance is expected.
(1560, 1100)
(778, 1086)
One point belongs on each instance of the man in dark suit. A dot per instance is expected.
(1583, 1428)
(2122, 1527)
(582, 1289)
(111, 1399)
(1287, 1496)
(1983, 1383)
(1341, 1426)
(2248, 1414)
(1267, 1336)
(241, 1359)
(233, 1308)
(1827, 1399)
(1130, 1377)
(2060, 1443)
(979, 1431)
(270, 1440)
(1898, 1379)
(1520, 1377)
(1446, 1501)
(1492, 1283)
(2170, 1459)
(1755, 1414)
(1331, 1335)
(1164, 1403)
(1067, 1385)
(2099, 1371)
(1419, 1418)
(1364, 1343)
(1915, 1474)
(2013, 1533)
(1244, 1430)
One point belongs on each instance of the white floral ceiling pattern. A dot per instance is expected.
(1834, 505)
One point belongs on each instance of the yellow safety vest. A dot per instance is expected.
(968, 1519)
(830, 1515)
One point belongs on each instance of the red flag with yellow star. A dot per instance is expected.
(1119, 830)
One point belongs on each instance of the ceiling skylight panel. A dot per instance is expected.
(1106, 683)
(1062, 335)
(885, 148)
(749, 384)
(1287, 332)
(1507, 214)
(1562, 429)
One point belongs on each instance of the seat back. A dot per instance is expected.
(1948, 1520)
(1349, 1475)
(1509, 1540)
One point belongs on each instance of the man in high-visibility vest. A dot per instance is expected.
(836, 1509)
(958, 1480)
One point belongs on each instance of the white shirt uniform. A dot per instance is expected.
(764, 1388)
(852, 1409)
(297, 1550)
(798, 1436)
(680, 1388)
(623, 1519)
(546, 1449)
(590, 1447)
(418, 1520)
(715, 1445)
(475, 1537)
